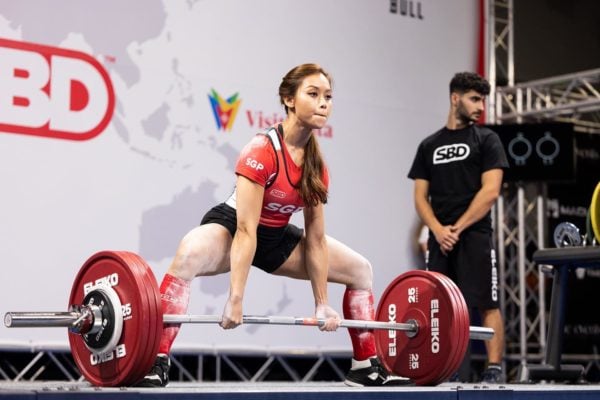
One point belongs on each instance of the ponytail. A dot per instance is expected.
(312, 188)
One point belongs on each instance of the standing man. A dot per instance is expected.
(458, 174)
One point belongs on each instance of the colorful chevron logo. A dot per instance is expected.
(224, 110)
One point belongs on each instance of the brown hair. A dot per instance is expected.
(312, 189)
(462, 82)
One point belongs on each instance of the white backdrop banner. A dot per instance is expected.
(120, 123)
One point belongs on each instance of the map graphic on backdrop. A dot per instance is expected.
(164, 135)
(163, 160)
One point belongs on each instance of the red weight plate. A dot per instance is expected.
(147, 358)
(157, 328)
(462, 328)
(155, 309)
(453, 354)
(121, 366)
(420, 296)
(462, 332)
(465, 328)
(457, 330)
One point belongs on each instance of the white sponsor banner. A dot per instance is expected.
(109, 139)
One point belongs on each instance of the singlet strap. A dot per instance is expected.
(271, 133)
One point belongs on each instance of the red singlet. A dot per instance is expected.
(266, 161)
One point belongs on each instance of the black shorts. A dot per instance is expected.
(472, 265)
(273, 245)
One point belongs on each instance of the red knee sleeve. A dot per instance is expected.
(358, 304)
(174, 296)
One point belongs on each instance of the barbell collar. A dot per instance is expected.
(90, 320)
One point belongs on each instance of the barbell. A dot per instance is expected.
(115, 322)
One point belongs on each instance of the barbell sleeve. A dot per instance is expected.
(480, 333)
(41, 319)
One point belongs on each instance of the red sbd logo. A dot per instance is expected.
(53, 92)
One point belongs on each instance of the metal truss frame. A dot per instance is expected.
(571, 98)
(499, 45)
(53, 364)
(195, 365)
(520, 231)
(520, 210)
(259, 366)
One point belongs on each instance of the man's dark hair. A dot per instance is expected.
(462, 82)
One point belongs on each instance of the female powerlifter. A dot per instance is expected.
(279, 172)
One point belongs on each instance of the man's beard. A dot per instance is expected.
(464, 117)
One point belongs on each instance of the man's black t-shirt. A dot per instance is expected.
(453, 161)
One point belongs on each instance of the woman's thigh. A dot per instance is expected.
(346, 266)
(203, 251)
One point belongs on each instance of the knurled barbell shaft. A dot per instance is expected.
(67, 319)
(475, 332)
(279, 320)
